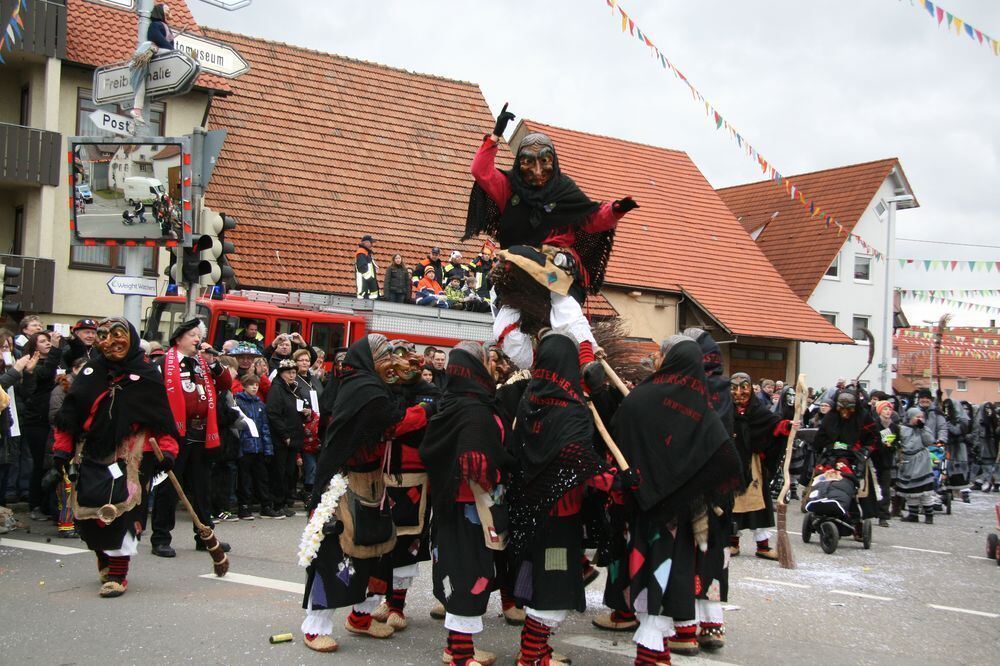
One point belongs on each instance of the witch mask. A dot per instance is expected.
(114, 339)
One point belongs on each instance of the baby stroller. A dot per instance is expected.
(993, 540)
(832, 507)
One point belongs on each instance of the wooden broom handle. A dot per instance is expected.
(615, 379)
(615, 451)
(177, 486)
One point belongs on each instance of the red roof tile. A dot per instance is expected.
(800, 246)
(100, 35)
(684, 239)
(323, 149)
(914, 354)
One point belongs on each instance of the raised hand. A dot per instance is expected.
(624, 205)
(502, 120)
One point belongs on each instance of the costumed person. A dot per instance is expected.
(706, 629)
(365, 269)
(158, 36)
(760, 437)
(915, 478)
(558, 461)
(115, 405)
(686, 465)
(464, 453)
(553, 239)
(193, 388)
(846, 441)
(956, 452)
(987, 437)
(406, 482)
(350, 528)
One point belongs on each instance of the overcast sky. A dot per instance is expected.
(812, 85)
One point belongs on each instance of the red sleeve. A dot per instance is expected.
(414, 419)
(602, 481)
(602, 219)
(63, 442)
(167, 444)
(491, 179)
(223, 380)
(265, 384)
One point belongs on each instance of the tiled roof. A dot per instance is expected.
(800, 246)
(323, 149)
(101, 35)
(684, 239)
(914, 355)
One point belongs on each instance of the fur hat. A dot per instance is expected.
(287, 364)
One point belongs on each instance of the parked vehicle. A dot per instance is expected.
(140, 188)
(84, 193)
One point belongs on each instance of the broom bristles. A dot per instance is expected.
(220, 562)
(786, 559)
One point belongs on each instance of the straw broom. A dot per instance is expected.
(786, 559)
(220, 561)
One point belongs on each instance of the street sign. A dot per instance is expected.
(170, 73)
(213, 56)
(127, 5)
(121, 285)
(229, 5)
(112, 122)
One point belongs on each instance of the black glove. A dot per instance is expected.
(918, 425)
(628, 479)
(166, 464)
(502, 120)
(624, 205)
(430, 408)
(59, 462)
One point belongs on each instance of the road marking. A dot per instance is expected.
(963, 610)
(795, 533)
(258, 581)
(41, 547)
(776, 582)
(980, 557)
(626, 648)
(923, 550)
(861, 594)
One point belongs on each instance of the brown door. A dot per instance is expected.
(758, 362)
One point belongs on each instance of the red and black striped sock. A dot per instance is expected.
(359, 620)
(646, 657)
(622, 616)
(460, 648)
(686, 632)
(396, 600)
(586, 354)
(118, 567)
(506, 599)
(734, 540)
(534, 640)
(762, 545)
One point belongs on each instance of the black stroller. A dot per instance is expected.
(832, 507)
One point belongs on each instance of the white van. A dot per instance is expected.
(146, 190)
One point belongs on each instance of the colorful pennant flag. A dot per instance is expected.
(720, 122)
(954, 265)
(14, 29)
(959, 305)
(961, 26)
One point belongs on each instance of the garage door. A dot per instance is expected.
(758, 362)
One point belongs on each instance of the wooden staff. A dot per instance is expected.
(786, 558)
(613, 376)
(615, 451)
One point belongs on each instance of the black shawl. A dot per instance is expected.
(133, 395)
(466, 422)
(754, 434)
(716, 381)
(359, 386)
(533, 214)
(555, 429)
(668, 433)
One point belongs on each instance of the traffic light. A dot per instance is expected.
(214, 248)
(228, 248)
(13, 274)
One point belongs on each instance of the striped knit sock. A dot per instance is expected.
(646, 657)
(586, 354)
(762, 545)
(622, 616)
(118, 567)
(359, 620)
(686, 633)
(460, 648)
(534, 641)
(396, 600)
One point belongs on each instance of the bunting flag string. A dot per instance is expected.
(954, 265)
(981, 293)
(961, 27)
(13, 30)
(817, 212)
(956, 350)
(927, 335)
(958, 305)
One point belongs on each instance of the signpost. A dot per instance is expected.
(213, 56)
(112, 122)
(170, 73)
(124, 285)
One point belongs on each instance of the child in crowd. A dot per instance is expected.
(255, 448)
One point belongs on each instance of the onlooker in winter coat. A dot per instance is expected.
(282, 348)
(915, 479)
(456, 268)
(987, 436)
(935, 421)
(429, 290)
(66, 527)
(11, 373)
(29, 326)
(481, 267)
(80, 343)
(433, 260)
(287, 412)
(366, 269)
(34, 418)
(397, 282)
(256, 451)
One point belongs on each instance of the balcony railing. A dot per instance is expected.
(44, 32)
(29, 156)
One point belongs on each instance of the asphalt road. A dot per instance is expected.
(103, 219)
(924, 594)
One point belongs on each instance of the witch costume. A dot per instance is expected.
(846, 440)
(350, 528)
(116, 404)
(557, 459)
(759, 435)
(463, 451)
(555, 242)
(686, 463)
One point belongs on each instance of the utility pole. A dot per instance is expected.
(889, 312)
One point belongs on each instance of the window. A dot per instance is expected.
(17, 243)
(833, 271)
(24, 111)
(228, 326)
(830, 317)
(880, 209)
(327, 337)
(288, 326)
(860, 322)
(862, 268)
(165, 317)
(962, 384)
(110, 259)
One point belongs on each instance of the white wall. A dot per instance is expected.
(848, 297)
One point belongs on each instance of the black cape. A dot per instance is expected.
(716, 381)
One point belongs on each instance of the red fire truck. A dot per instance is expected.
(326, 321)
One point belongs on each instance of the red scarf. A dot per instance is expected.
(175, 395)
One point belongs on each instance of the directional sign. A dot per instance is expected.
(112, 122)
(121, 285)
(213, 56)
(170, 73)
(127, 5)
(229, 5)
